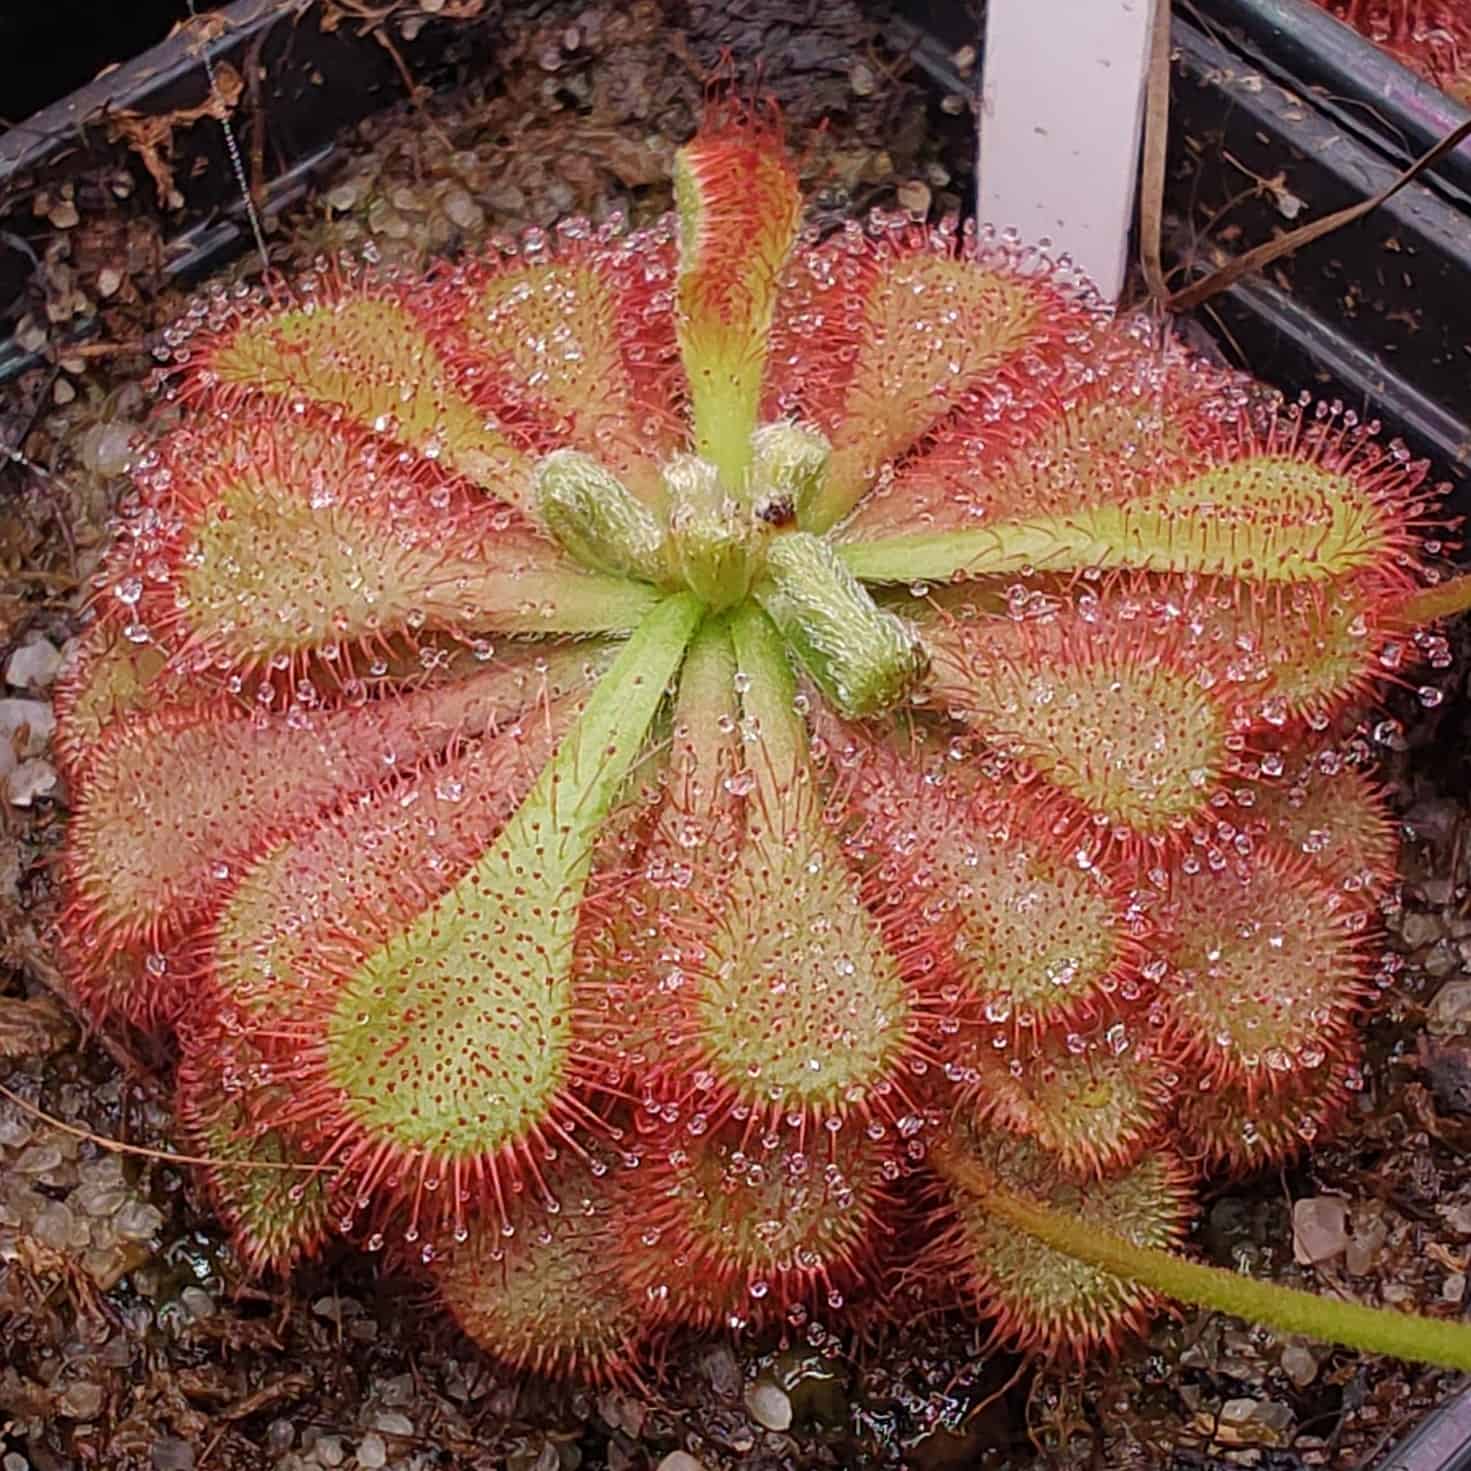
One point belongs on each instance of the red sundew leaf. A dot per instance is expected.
(738, 207)
(935, 326)
(1119, 712)
(795, 1005)
(1320, 647)
(1094, 1101)
(1431, 37)
(176, 804)
(276, 1216)
(1225, 1125)
(686, 990)
(820, 1028)
(109, 679)
(1298, 500)
(549, 330)
(1264, 517)
(308, 911)
(733, 1225)
(149, 986)
(330, 894)
(636, 938)
(739, 204)
(356, 350)
(545, 1296)
(1043, 1302)
(819, 327)
(1142, 416)
(1329, 813)
(280, 539)
(447, 1055)
(645, 920)
(1266, 967)
(1281, 653)
(689, 994)
(641, 268)
(985, 902)
(549, 340)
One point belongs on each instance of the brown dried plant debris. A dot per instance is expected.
(33, 1028)
(151, 135)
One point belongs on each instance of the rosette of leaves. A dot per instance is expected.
(607, 752)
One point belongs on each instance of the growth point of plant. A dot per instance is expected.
(620, 754)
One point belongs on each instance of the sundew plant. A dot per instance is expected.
(712, 775)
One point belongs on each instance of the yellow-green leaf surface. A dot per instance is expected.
(453, 1038)
(1266, 519)
(368, 358)
(935, 327)
(738, 209)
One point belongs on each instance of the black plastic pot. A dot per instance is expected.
(1280, 114)
(305, 88)
(1442, 1442)
(47, 51)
